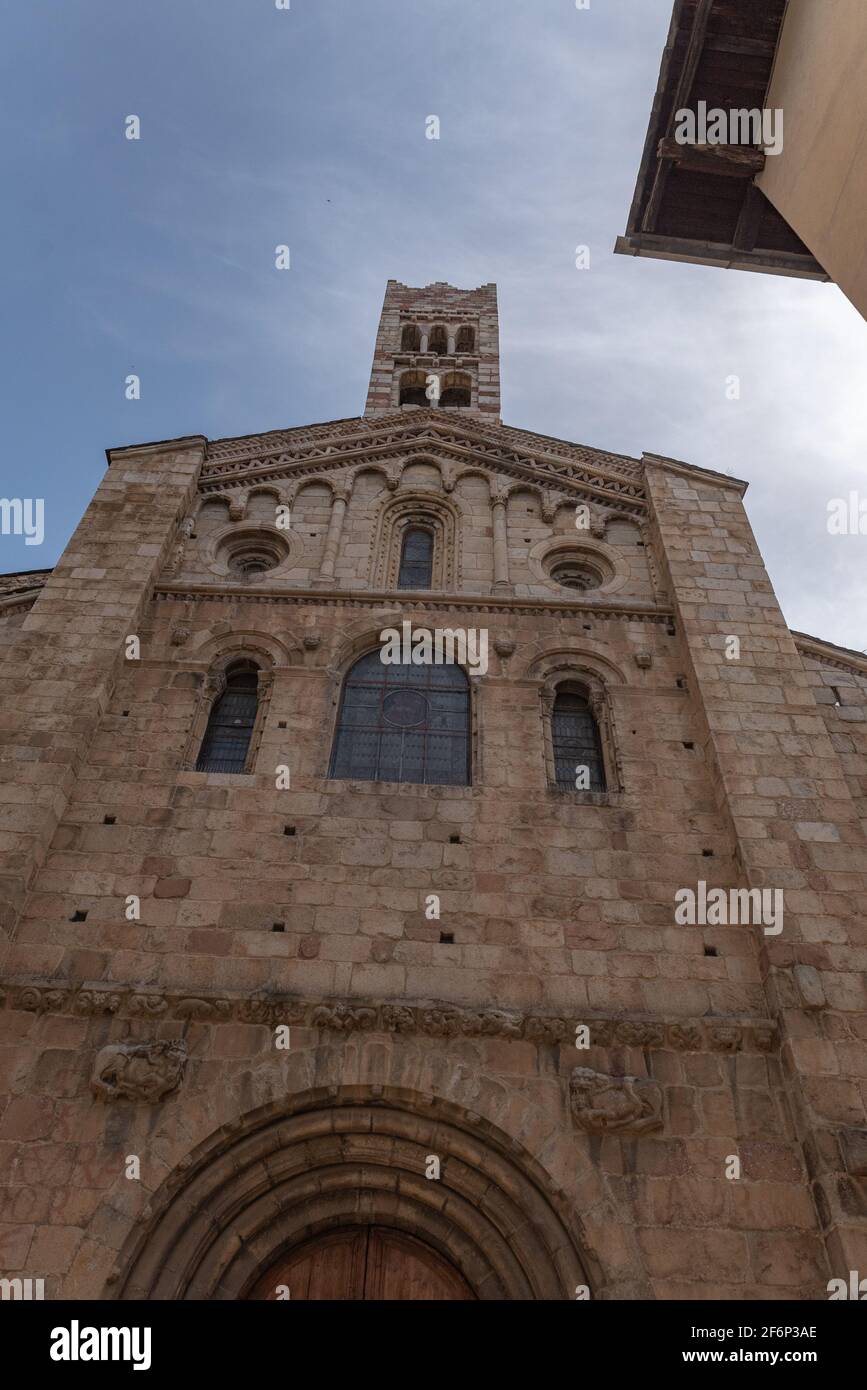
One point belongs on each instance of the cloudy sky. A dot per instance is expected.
(306, 126)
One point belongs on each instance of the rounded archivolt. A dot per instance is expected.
(246, 1200)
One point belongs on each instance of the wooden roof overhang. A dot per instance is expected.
(700, 203)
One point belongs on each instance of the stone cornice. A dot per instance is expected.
(436, 603)
(181, 445)
(695, 473)
(840, 658)
(409, 423)
(581, 472)
(426, 1018)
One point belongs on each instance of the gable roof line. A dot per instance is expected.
(817, 647)
(696, 470)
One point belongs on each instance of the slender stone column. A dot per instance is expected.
(332, 540)
(501, 543)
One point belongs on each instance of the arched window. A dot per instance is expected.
(466, 340)
(456, 390)
(576, 742)
(413, 389)
(438, 342)
(411, 338)
(416, 559)
(230, 725)
(403, 723)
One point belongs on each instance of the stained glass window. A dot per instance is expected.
(416, 559)
(575, 736)
(403, 723)
(230, 726)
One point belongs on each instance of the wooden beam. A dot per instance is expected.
(747, 48)
(750, 219)
(681, 95)
(720, 254)
(736, 161)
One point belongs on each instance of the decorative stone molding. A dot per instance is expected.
(143, 1071)
(401, 513)
(643, 660)
(589, 475)
(427, 1019)
(212, 687)
(607, 564)
(576, 672)
(633, 612)
(229, 1210)
(603, 1104)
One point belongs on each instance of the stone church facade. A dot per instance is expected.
(328, 977)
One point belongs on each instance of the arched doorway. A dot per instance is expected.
(363, 1264)
(268, 1188)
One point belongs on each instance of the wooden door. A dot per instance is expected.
(364, 1263)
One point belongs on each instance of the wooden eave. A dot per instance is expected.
(701, 203)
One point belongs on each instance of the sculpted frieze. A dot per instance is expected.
(604, 1104)
(430, 1020)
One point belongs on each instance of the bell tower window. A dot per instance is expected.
(466, 340)
(457, 390)
(411, 338)
(413, 389)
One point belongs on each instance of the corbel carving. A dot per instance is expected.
(603, 1104)
(147, 1071)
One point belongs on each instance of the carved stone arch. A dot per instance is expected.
(257, 1189)
(473, 471)
(539, 665)
(263, 490)
(206, 499)
(380, 469)
(265, 648)
(425, 459)
(326, 480)
(522, 485)
(441, 515)
(360, 637)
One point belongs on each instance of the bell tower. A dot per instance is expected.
(437, 348)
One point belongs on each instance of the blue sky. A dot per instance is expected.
(307, 127)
